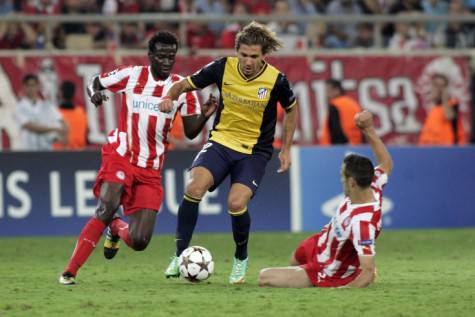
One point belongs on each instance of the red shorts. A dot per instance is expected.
(306, 255)
(142, 186)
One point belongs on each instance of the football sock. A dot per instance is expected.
(241, 226)
(121, 228)
(90, 235)
(187, 217)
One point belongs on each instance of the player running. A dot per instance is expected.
(240, 143)
(343, 252)
(134, 155)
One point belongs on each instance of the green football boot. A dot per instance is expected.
(173, 269)
(238, 272)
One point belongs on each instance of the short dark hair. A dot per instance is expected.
(336, 84)
(68, 90)
(29, 77)
(164, 37)
(258, 34)
(360, 168)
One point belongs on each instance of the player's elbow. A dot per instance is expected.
(190, 134)
(179, 87)
(388, 165)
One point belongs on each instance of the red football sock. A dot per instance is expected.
(121, 228)
(90, 235)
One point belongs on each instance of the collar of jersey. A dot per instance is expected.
(264, 67)
(362, 205)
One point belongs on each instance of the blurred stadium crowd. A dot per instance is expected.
(403, 35)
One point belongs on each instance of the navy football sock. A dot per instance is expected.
(187, 217)
(241, 226)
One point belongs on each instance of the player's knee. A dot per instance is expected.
(139, 242)
(105, 212)
(237, 205)
(195, 189)
(109, 202)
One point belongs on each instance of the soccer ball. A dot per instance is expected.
(196, 264)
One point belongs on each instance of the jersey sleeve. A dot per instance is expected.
(286, 96)
(189, 104)
(380, 178)
(210, 74)
(116, 81)
(364, 237)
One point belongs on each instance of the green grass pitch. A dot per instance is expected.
(422, 273)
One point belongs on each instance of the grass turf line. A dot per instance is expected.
(422, 273)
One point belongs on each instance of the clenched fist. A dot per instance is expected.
(364, 120)
(98, 98)
(210, 106)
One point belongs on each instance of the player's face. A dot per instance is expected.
(31, 88)
(330, 92)
(162, 59)
(250, 59)
(438, 85)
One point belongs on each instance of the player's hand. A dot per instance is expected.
(364, 120)
(284, 157)
(98, 98)
(375, 276)
(166, 105)
(210, 106)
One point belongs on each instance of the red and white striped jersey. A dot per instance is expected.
(351, 232)
(143, 129)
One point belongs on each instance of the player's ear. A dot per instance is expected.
(352, 182)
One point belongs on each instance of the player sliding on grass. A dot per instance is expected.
(342, 253)
(240, 144)
(133, 157)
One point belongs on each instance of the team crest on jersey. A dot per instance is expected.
(120, 175)
(262, 93)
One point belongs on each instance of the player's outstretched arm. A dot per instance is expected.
(364, 121)
(94, 91)
(367, 274)
(166, 105)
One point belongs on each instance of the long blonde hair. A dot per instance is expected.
(258, 34)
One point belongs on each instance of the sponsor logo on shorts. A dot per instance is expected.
(365, 242)
(254, 183)
(120, 175)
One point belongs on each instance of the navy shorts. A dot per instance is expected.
(221, 161)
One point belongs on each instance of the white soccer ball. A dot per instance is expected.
(196, 264)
